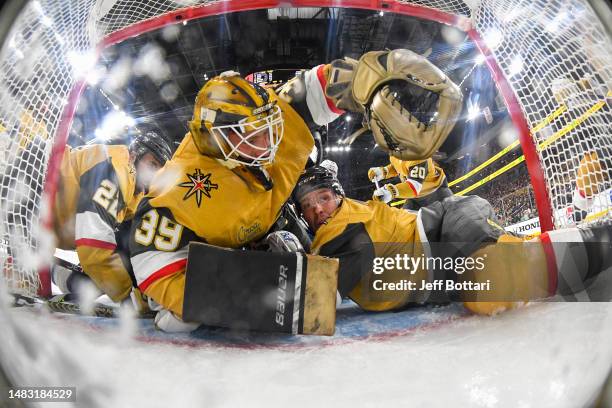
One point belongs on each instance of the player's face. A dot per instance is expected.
(146, 168)
(317, 206)
(255, 144)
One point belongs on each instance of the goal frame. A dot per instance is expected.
(534, 167)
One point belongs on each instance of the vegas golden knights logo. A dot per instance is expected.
(199, 184)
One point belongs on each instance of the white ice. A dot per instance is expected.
(544, 355)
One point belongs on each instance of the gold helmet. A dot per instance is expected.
(237, 120)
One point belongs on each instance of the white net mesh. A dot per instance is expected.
(36, 78)
(558, 59)
(555, 54)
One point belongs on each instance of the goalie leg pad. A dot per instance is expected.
(263, 291)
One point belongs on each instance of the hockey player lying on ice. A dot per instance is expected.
(99, 188)
(512, 270)
(247, 146)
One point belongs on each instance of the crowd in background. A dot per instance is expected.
(510, 193)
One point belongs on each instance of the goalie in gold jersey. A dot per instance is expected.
(516, 270)
(247, 146)
(98, 189)
(421, 182)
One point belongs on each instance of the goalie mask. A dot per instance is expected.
(237, 120)
(410, 105)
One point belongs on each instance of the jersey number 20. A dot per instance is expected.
(417, 172)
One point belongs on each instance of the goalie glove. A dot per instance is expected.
(385, 193)
(283, 241)
(376, 174)
(410, 105)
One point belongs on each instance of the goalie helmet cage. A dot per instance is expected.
(551, 61)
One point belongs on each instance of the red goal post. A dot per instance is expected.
(546, 56)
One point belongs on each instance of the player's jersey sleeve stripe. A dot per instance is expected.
(165, 271)
(90, 226)
(152, 265)
(95, 243)
(321, 108)
(323, 84)
(415, 186)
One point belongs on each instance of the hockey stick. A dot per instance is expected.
(67, 264)
(58, 304)
(138, 300)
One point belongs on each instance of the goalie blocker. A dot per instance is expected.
(264, 291)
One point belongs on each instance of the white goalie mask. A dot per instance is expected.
(252, 141)
(237, 121)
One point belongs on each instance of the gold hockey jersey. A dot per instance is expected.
(96, 192)
(418, 178)
(358, 233)
(198, 198)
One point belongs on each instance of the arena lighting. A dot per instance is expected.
(473, 111)
(338, 149)
(348, 118)
(46, 21)
(59, 38)
(19, 54)
(82, 63)
(95, 75)
(341, 149)
(553, 25)
(381, 13)
(114, 124)
(480, 58)
(513, 14)
(516, 66)
(37, 6)
(99, 134)
(493, 38)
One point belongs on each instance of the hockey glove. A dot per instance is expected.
(385, 193)
(377, 174)
(283, 241)
(410, 105)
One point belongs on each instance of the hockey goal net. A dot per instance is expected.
(551, 60)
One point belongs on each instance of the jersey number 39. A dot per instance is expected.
(163, 233)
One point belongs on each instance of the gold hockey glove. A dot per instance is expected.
(411, 106)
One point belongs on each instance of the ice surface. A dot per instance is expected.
(544, 355)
